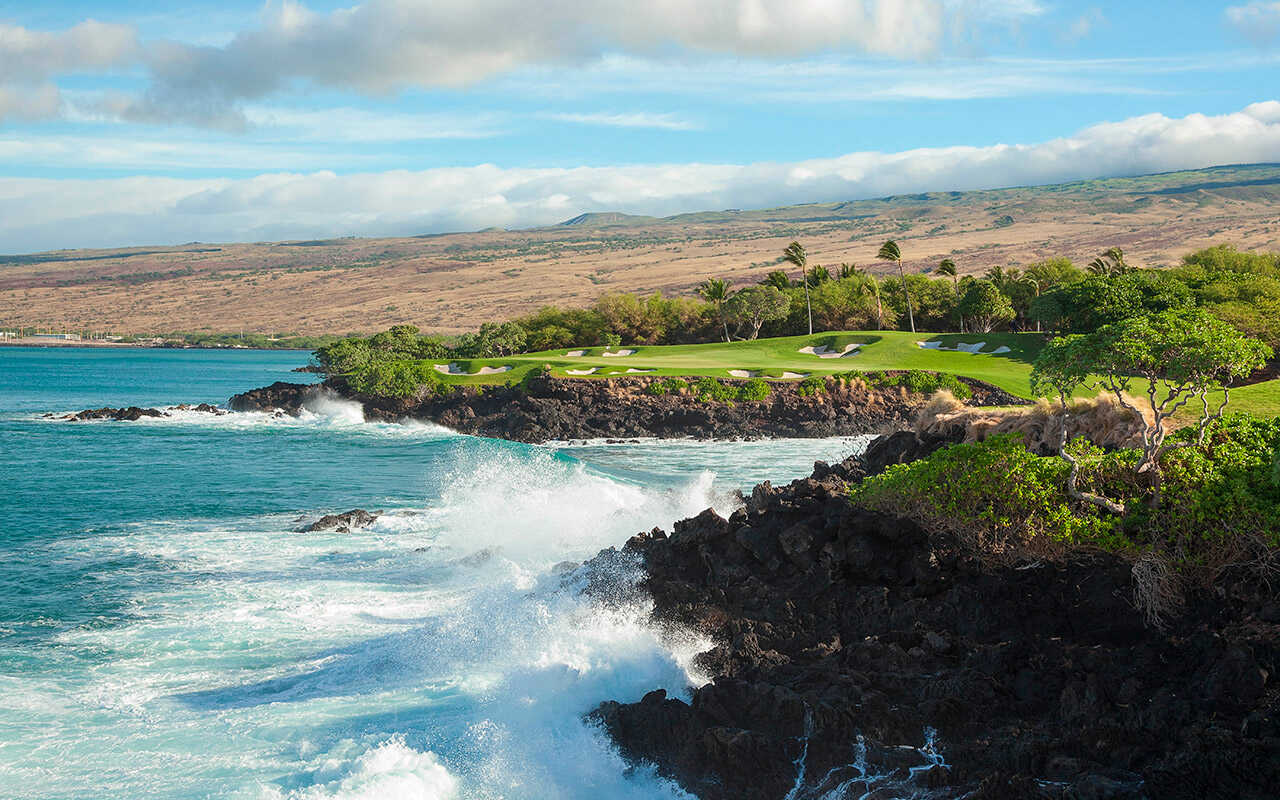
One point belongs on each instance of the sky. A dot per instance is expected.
(121, 124)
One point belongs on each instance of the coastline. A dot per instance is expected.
(560, 409)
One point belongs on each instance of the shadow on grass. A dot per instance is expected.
(1023, 347)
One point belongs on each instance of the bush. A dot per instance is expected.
(755, 390)
(812, 387)
(995, 496)
(709, 389)
(919, 382)
(1221, 503)
(394, 378)
(667, 386)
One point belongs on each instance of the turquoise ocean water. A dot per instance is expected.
(164, 632)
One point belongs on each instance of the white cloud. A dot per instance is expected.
(33, 56)
(638, 119)
(1259, 22)
(45, 213)
(29, 103)
(382, 46)
(1084, 25)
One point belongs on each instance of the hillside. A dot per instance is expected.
(453, 282)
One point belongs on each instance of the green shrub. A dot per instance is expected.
(1220, 504)
(667, 386)
(919, 381)
(755, 390)
(394, 378)
(812, 387)
(709, 389)
(993, 495)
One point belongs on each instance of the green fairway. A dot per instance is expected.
(781, 359)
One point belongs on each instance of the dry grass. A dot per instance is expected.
(454, 282)
(1101, 420)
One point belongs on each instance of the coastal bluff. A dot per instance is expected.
(559, 409)
(860, 655)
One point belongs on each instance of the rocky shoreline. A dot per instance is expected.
(858, 655)
(561, 409)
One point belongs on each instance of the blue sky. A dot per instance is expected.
(234, 120)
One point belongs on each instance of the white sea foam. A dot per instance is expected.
(436, 654)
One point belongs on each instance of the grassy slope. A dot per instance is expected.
(881, 350)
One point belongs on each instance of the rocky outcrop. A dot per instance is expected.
(857, 650)
(134, 413)
(279, 396)
(547, 409)
(342, 523)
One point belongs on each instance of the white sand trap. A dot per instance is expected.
(619, 354)
(744, 373)
(591, 371)
(822, 351)
(795, 374)
(972, 349)
(454, 369)
(575, 353)
(639, 371)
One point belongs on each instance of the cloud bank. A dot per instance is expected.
(1259, 22)
(37, 214)
(382, 46)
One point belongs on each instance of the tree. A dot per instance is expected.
(795, 255)
(716, 291)
(754, 305)
(819, 275)
(985, 306)
(1110, 263)
(947, 267)
(872, 286)
(1180, 356)
(843, 305)
(889, 251)
(777, 279)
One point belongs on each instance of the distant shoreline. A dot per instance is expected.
(91, 345)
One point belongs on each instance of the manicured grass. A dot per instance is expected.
(880, 350)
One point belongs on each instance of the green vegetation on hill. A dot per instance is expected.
(1220, 507)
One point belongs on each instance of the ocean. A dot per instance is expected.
(166, 633)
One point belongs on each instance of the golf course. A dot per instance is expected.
(1001, 359)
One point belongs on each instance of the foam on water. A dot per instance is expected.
(167, 634)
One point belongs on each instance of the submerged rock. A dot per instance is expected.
(342, 523)
(861, 651)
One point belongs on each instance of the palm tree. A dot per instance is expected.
(795, 255)
(777, 279)
(716, 291)
(947, 267)
(1036, 283)
(849, 271)
(819, 275)
(889, 251)
(871, 286)
(1109, 263)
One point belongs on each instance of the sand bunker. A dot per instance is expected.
(972, 349)
(795, 374)
(618, 354)
(744, 373)
(639, 371)
(454, 369)
(822, 351)
(575, 353)
(590, 371)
